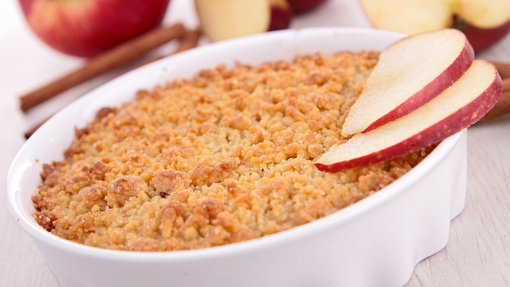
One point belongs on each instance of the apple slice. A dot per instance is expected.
(409, 73)
(458, 107)
(226, 19)
(485, 14)
(481, 38)
(484, 22)
(408, 17)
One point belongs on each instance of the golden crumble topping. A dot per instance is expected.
(224, 157)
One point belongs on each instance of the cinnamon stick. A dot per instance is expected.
(506, 85)
(111, 59)
(32, 130)
(503, 69)
(188, 41)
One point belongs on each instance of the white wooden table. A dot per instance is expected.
(478, 253)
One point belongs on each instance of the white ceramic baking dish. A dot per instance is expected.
(375, 242)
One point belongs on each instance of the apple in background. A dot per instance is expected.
(408, 16)
(281, 15)
(226, 19)
(484, 22)
(85, 28)
(302, 6)
(458, 107)
(410, 73)
(480, 38)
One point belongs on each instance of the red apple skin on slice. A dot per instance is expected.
(448, 122)
(390, 105)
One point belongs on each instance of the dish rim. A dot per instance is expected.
(341, 217)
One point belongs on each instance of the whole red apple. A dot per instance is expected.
(85, 28)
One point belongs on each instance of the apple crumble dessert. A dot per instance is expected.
(224, 157)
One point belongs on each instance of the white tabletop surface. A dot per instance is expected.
(477, 254)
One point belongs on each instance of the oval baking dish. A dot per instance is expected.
(375, 242)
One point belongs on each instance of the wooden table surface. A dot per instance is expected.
(477, 254)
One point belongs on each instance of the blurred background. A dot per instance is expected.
(31, 40)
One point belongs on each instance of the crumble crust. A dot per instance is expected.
(224, 157)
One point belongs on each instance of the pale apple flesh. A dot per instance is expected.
(409, 73)
(88, 27)
(408, 16)
(458, 107)
(226, 19)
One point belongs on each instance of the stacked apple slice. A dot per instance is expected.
(409, 73)
(426, 112)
